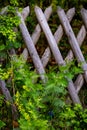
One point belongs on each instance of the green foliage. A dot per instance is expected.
(8, 36)
(73, 117)
(30, 94)
(55, 91)
(42, 106)
(5, 73)
(1, 100)
(14, 2)
(2, 124)
(7, 23)
(36, 103)
(35, 114)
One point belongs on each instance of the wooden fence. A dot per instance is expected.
(53, 41)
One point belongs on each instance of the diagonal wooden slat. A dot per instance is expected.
(32, 49)
(79, 83)
(36, 34)
(84, 16)
(72, 40)
(80, 38)
(70, 56)
(25, 12)
(42, 20)
(55, 50)
(57, 35)
(8, 98)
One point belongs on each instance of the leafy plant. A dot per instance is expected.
(73, 117)
(8, 36)
(28, 93)
(38, 103)
(2, 124)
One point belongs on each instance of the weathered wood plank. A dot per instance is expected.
(42, 20)
(79, 82)
(55, 50)
(69, 32)
(36, 34)
(72, 40)
(84, 16)
(57, 35)
(25, 12)
(8, 98)
(80, 38)
(37, 31)
(31, 48)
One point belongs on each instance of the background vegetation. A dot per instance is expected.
(39, 106)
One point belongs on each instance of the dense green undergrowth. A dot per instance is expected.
(43, 106)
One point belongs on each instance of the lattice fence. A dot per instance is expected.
(53, 41)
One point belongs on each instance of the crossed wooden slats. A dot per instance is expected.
(73, 41)
(56, 52)
(52, 40)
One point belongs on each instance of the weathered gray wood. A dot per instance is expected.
(84, 16)
(57, 35)
(81, 35)
(36, 34)
(42, 20)
(70, 34)
(72, 40)
(37, 31)
(31, 48)
(5, 91)
(25, 54)
(55, 50)
(25, 12)
(8, 98)
(4, 10)
(79, 82)
(80, 38)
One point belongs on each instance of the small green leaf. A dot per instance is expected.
(2, 47)
(2, 124)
